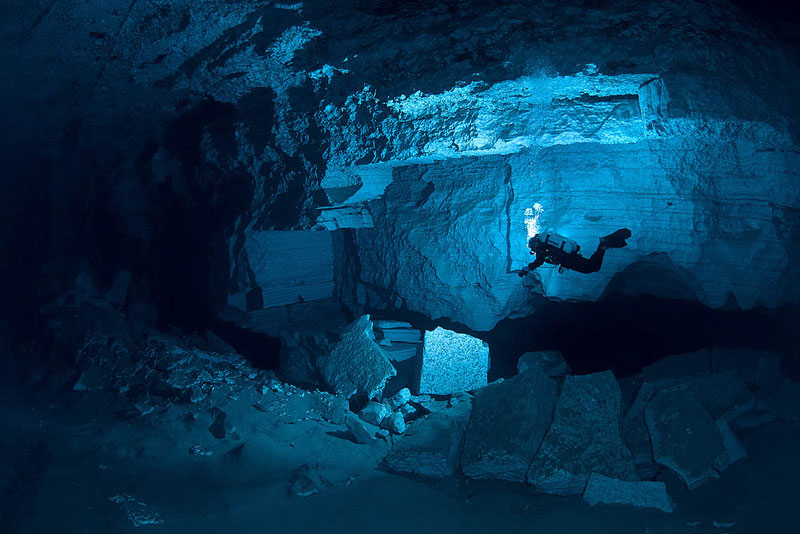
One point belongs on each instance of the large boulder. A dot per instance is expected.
(437, 247)
(356, 365)
(722, 395)
(452, 363)
(508, 422)
(685, 437)
(431, 445)
(584, 437)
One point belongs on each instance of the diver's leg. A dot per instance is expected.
(588, 265)
(617, 239)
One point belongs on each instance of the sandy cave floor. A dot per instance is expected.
(244, 485)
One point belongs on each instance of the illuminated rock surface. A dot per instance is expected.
(452, 363)
(239, 181)
(431, 143)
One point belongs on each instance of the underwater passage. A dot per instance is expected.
(377, 266)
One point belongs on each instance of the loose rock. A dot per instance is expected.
(304, 483)
(733, 447)
(362, 432)
(394, 423)
(332, 408)
(374, 412)
(399, 399)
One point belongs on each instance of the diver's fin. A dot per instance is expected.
(617, 239)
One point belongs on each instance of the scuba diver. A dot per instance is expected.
(564, 252)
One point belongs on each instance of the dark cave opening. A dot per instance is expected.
(625, 334)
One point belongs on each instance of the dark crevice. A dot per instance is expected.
(625, 334)
(259, 349)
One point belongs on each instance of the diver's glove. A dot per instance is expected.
(521, 273)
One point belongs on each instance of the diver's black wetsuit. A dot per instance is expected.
(549, 253)
(575, 261)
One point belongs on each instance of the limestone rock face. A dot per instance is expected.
(507, 425)
(707, 206)
(429, 132)
(584, 437)
(286, 268)
(356, 365)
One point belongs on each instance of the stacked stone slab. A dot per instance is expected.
(508, 422)
(356, 365)
(584, 437)
(452, 363)
(400, 340)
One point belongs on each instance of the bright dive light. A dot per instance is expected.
(532, 219)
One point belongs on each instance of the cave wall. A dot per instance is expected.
(161, 134)
(712, 216)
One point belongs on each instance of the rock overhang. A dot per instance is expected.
(685, 102)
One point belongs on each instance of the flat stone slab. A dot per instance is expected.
(604, 490)
(584, 437)
(356, 365)
(432, 445)
(723, 395)
(507, 425)
(452, 363)
(684, 436)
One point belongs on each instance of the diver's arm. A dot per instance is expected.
(531, 266)
(538, 262)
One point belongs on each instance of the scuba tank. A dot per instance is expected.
(553, 247)
(564, 244)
